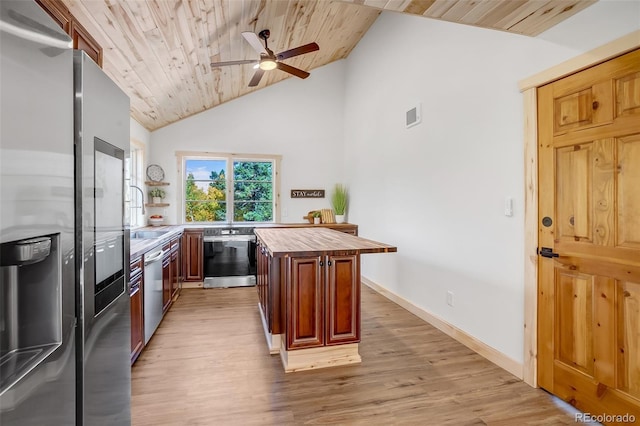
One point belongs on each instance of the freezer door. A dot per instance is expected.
(36, 201)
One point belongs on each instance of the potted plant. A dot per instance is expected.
(316, 217)
(339, 202)
(156, 195)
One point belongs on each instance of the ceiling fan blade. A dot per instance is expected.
(300, 50)
(292, 70)
(240, 62)
(256, 77)
(254, 41)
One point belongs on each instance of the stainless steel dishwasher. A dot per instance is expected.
(152, 291)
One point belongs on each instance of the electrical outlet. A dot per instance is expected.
(450, 298)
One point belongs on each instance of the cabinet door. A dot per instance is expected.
(175, 273)
(137, 318)
(82, 40)
(166, 282)
(194, 255)
(261, 277)
(58, 12)
(175, 267)
(342, 299)
(305, 304)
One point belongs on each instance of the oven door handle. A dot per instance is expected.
(227, 238)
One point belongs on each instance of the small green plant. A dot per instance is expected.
(339, 199)
(316, 214)
(156, 192)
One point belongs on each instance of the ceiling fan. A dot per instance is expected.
(268, 60)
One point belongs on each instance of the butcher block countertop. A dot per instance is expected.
(281, 242)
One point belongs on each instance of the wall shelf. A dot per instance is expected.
(153, 183)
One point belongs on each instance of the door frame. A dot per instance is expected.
(528, 88)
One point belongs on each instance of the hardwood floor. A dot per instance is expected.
(208, 364)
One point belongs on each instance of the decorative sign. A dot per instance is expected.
(307, 193)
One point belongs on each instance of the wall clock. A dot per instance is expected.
(155, 173)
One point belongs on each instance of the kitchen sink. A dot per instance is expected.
(145, 235)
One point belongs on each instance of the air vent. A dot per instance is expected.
(414, 116)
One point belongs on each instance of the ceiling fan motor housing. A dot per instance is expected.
(264, 34)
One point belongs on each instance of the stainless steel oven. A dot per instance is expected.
(229, 257)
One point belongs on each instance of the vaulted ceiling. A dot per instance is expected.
(159, 52)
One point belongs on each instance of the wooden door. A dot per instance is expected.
(342, 299)
(305, 302)
(137, 320)
(82, 40)
(166, 277)
(137, 310)
(175, 273)
(589, 216)
(193, 251)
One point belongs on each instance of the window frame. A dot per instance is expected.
(136, 177)
(230, 158)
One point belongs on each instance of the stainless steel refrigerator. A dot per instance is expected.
(64, 314)
(102, 144)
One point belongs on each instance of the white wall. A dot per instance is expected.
(437, 190)
(139, 133)
(302, 120)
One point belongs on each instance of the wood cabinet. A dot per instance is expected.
(309, 292)
(82, 40)
(166, 276)
(342, 297)
(137, 309)
(175, 267)
(193, 259)
(305, 303)
(323, 300)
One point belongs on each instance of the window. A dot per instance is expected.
(230, 188)
(134, 176)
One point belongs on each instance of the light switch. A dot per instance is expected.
(508, 206)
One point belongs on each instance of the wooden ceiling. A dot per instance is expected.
(159, 52)
(527, 17)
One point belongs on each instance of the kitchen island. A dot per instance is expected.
(309, 294)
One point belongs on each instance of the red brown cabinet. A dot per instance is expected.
(309, 292)
(342, 284)
(175, 267)
(323, 299)
(137, 308)
(193, 254)
(166, 276)
(82, 40)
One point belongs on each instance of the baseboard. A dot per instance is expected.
(321, 357)
(498, 358)
(273, 340)
(193, 284)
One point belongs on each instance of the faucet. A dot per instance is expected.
(141, 196)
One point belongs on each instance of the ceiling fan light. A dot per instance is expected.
(268, 64)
